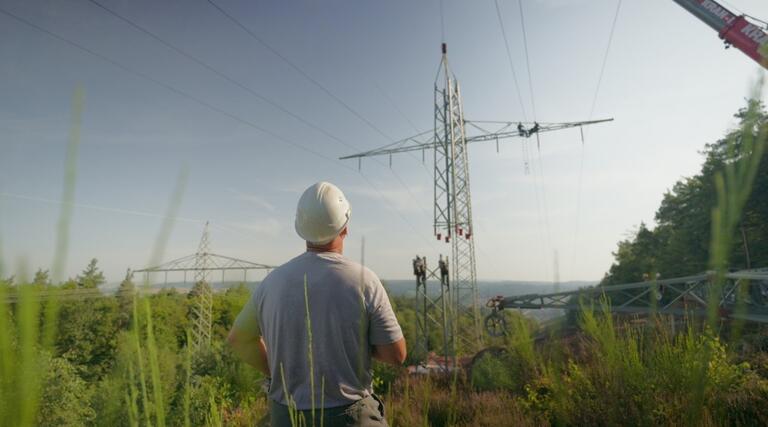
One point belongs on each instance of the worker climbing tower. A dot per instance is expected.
(434, 313)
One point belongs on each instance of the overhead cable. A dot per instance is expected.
(248, 89)
(509, 59)
(537, 180)
(527, 57)
(591, 113)
(299, 70)
(200, 102)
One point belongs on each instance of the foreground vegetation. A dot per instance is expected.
(70, 356)
(111, 364)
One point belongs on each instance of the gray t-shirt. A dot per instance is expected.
(349, 311)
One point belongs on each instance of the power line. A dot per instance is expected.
(591, 113)
(96, 207)
(527, 58)
(540, 221)
(549, 246)
(238, 84)
(509, 59)
(320, 86)
(299, 70)
(168, 87)
(407, 119)
(200, 102)
(537, 181)
(605, 59)
(224, 76)
(230, 79)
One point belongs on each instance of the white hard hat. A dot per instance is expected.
(322, 213)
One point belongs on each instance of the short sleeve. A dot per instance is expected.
(384, 328)
(248, 319)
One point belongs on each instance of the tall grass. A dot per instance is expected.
(21, 363)
(734, 186)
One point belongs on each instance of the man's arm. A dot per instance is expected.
(393, 354)
(250, 348)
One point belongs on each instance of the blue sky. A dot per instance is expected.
(668, 82)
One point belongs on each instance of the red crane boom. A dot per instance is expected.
(735, 30)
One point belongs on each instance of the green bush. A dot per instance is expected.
(66, 398)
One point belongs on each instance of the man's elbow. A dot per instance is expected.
(233, 340)
(402, 353)
(394, 353)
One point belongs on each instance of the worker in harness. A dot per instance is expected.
(521, 130)
(342, 304)
(420, 269)
(443, 265)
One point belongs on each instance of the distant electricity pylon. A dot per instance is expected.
(452, 196)
(202, 309)
(202, 263)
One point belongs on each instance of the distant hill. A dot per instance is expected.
(489, 289)
(486, 289)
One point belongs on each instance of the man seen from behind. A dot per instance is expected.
(325, 374)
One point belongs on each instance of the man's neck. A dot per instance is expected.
(320, 250)
(339, 249)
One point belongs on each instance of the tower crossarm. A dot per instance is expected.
(419, 142)
(481, 133)
(510, 129)
(217, 263)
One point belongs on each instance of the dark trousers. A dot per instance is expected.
(367, 412)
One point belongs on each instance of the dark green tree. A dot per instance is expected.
(65, 399)
(679, 244)
(42, 278)
(126, 293)
(87, 328)
(91, 277)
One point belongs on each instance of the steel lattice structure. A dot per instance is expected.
(453, 202)
(452, 196)
(681, 296)
(434, 311)
(202, 263)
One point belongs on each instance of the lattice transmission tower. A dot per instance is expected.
(452, 196)
(201, 264)
(453, 201)
(202, 308)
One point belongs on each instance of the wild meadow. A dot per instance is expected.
(71, 355)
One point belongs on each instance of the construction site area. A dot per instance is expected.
(599, 260)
